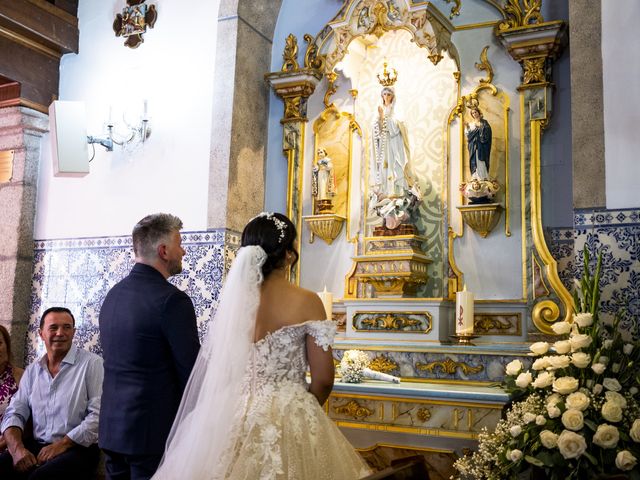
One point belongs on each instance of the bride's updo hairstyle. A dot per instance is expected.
(275, 233)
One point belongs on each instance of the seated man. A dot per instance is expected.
(61, 393)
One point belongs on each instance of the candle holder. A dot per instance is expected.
(465, 338)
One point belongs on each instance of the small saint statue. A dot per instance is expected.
(323, 182)
(481, 188)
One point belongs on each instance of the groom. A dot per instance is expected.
(150, 343)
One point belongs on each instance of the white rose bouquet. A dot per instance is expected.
(575, 414)
(354, 366)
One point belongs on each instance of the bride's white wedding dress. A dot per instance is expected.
(247, 413)
(282, 432)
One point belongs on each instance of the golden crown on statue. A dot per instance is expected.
(388, 78)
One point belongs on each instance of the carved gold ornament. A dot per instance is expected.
(487, 323)
(450, 367)
(520, 13)
(382, 364)
(311, 58)
(290, 54)
(424, 414)
(481, 218)
(353, 409)
(534, 71)
(391, 322)
(484, 65)
(455, 10)
(325, 226)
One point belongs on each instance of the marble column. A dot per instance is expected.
(240, 112)
(21, 131)
(587, 123)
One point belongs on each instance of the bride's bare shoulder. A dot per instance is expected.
(306, 305)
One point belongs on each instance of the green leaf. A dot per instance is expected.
(591, 458)
(534, 461)
(591, 424)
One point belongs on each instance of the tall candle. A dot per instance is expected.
(327, 301)
(464, 312)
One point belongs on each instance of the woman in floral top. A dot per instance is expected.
(9, 376)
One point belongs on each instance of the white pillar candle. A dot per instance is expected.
(327, 301)
(464, 312)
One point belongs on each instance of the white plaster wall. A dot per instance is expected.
(621, 97)
(173, 70)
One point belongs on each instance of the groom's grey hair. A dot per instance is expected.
(149, 232)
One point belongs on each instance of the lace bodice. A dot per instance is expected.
(281, 355)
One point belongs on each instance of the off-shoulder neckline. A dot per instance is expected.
(284, 327)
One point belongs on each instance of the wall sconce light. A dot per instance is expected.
(125, 133)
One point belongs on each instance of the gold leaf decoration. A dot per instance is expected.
(353, 409)
(290, 54)
(450, 367)
(382, 364)
(485, 66)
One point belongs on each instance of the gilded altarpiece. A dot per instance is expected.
(443, 70)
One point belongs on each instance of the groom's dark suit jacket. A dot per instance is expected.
(150, 343)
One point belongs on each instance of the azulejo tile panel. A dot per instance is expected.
(615, 233)
(78, 273)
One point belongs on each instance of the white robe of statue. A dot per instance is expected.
(388, 175)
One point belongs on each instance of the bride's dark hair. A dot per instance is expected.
(275, 233)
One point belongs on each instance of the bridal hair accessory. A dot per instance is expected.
(280, 225)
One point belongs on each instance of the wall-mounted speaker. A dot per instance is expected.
(68, 125)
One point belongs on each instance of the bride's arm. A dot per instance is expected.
(322, 370)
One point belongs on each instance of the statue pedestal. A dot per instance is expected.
(394, 265)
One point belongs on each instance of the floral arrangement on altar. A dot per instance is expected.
(354, 367)
(575, 412)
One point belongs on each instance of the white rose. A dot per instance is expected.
(578, 401)
(553, 399)
(616, 398)
(561, 328)
(604, 360)
(580, 359)
(611, 412)
(633, 390)
(514, 367)
(625, 460)
(515, 430)
(553, 411)
(572, 419)
(540, 420)
(565, 385)
(597, 388)
(514, 455)
(583, 319)
(606, 436)
(607, 343)
(540, 363)
(524, 379)
(548, 439)
(571, 444)
(634, 433)
(598, 368)
(627, 349)
(562, 346)
(579, 341)
(528, 417)
(559, 361)
(539, 348)
(611, 384)
(543, 380)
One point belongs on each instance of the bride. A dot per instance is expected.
(247, 412)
